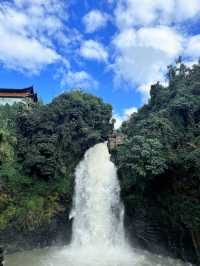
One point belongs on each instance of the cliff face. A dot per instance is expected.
(58, 232)
(115, 139)
(158, 166)
(147, 228)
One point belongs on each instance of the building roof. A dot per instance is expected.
(18, 93)
(25, 90)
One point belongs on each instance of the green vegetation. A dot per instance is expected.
(159, 161)
(40, 146)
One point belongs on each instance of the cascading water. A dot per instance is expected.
(98, 233)
(97, 211)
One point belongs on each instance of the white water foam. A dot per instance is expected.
(98, 234)
(97, 211)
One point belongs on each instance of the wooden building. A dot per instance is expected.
(11, 96)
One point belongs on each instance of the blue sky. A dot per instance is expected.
(112, 48)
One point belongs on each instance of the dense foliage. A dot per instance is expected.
(159, 161)
(40, 146)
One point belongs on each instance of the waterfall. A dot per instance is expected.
(97, 210)
(98, 232)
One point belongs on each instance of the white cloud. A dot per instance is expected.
(147, 40)
(193, 47)
(144, 89)
(50, 6)
(146, 12)
(94, 50)
(190, 63)
(142, 55)
(94, 20)
(125, 116)
(129, 111)
(142, 12)
(80, 79)
(34, 34)
(185, 9)
(22, 53)
(161, 38)
(118, 121)
(28, 30)
(125, 39)
(33, 18)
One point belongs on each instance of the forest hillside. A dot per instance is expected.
(159, 163)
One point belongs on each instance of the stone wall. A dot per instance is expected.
(10, 101)
(115, 140)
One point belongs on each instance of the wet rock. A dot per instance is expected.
(1, 256)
